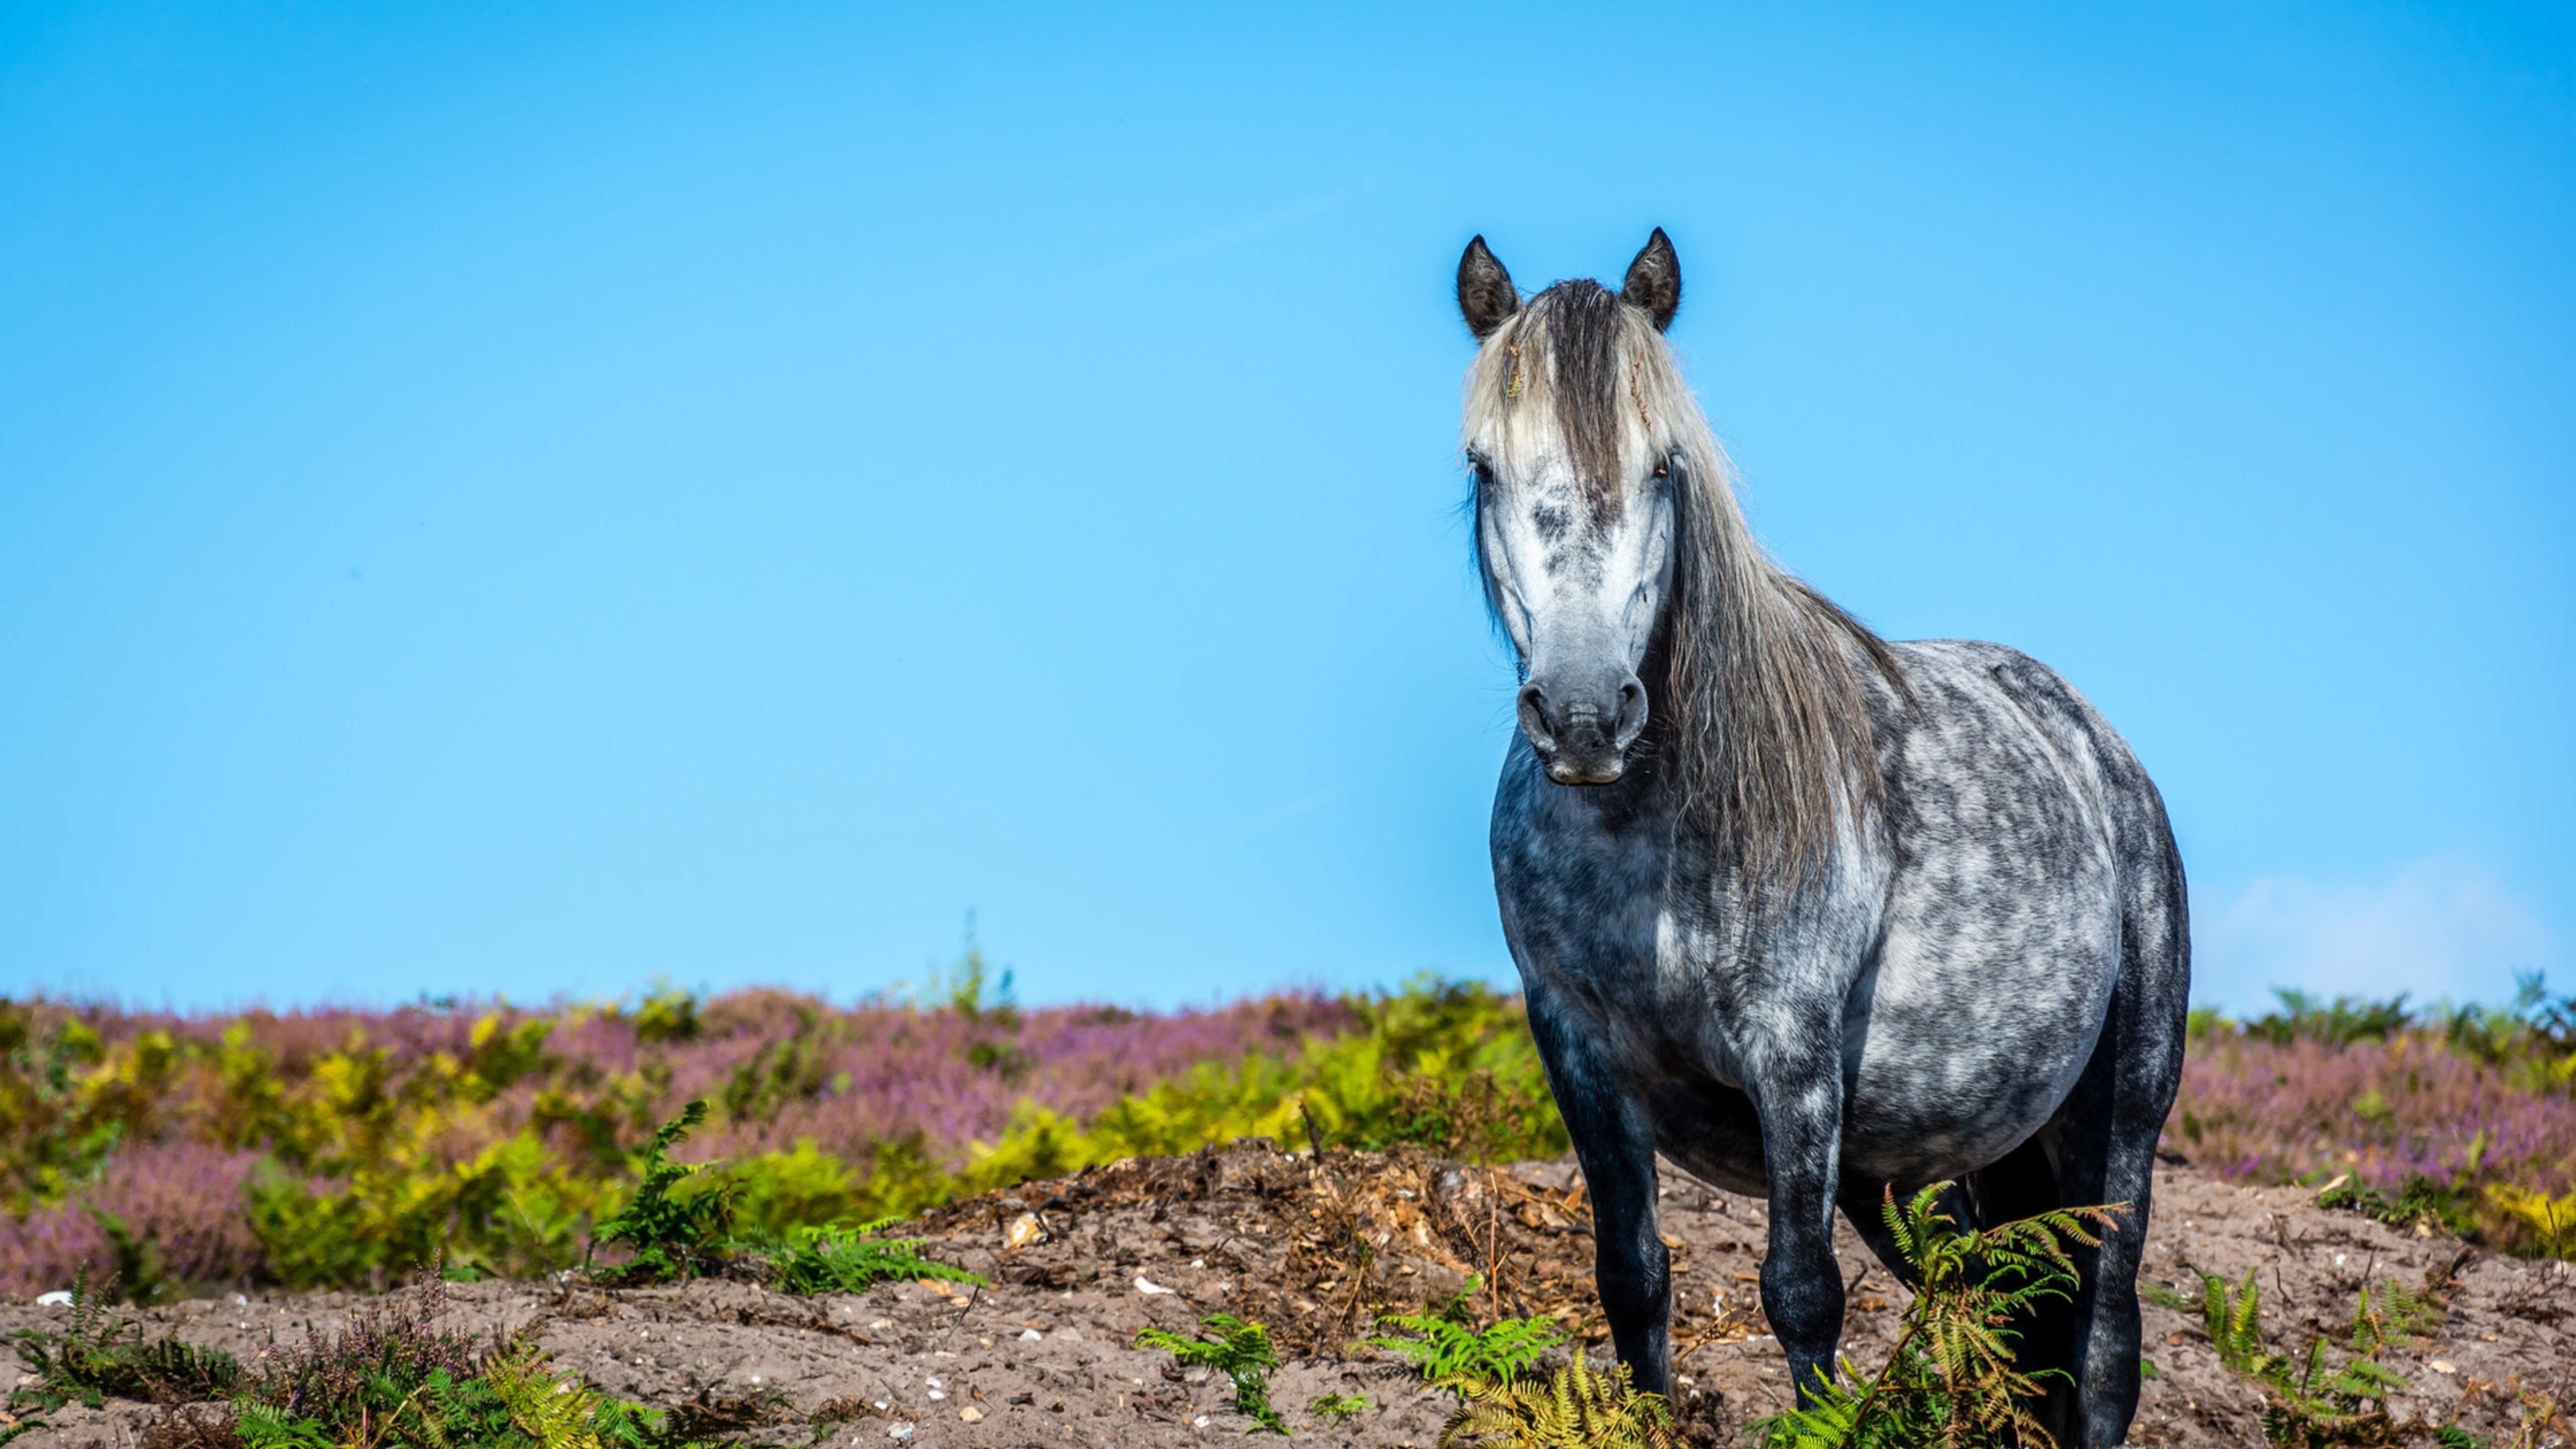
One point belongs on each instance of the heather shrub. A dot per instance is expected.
(159, 1193)
(341, 1147)
(2453, 1118)
(335, 1147)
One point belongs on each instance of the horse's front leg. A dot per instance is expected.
(1614, 1141)
(1798, 1092)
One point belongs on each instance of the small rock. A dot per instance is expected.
(2443, 1366)
(1147, 1285)
(1030, 1335)
(970, 1414)
(899, 1429)
(57, 1299)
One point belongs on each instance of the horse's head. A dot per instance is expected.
(1578, 458)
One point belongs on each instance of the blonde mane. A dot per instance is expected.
(1765, 725)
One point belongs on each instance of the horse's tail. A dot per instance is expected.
(2155, 933)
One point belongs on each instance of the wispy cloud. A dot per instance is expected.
(1269, 819)
(1239, 231)
(2438, 927)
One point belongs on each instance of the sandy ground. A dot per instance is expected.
(1315, 1249)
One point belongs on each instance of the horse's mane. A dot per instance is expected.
(1766, 726)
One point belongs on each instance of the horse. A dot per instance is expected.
(1814, 914)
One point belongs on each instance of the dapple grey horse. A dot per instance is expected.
(1812, 913)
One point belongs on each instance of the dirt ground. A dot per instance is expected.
(1314, 1248)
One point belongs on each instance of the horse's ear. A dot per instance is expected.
(1485, 295)
(1654, 280)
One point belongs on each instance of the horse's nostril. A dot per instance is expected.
(1533, 712)
(1632, 711)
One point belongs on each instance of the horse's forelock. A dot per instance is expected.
(1567, 349)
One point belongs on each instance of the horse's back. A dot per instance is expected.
(2009, 810)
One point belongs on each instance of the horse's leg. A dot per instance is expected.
(1798, 1089)
(2107, 1134)
(1614, 1141)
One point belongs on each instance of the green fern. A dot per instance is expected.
(1573, 1408)
(1334, 1408)
(837, 1259)
(1834, 1417)
(1241, 1351)
(672, 1235)
(559, 1412)
(2318, 1406)
(1950, 1378)
(2233, 1319)
(1443, 1349)
(98, 1356)
(264, 1426)
(2313, 1403)
(2394, 1319)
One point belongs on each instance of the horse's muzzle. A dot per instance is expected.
(1582, 735)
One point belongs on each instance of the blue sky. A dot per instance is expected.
(526, 499)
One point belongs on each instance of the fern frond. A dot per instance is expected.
(1241, 1351)
(559, 1412)
(1574, 1408)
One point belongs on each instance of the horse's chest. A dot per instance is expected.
(1590, 922)
(1585, 902)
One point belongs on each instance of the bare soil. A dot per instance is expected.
(1315, 1248)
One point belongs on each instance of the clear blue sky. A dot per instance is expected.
(522, 498)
